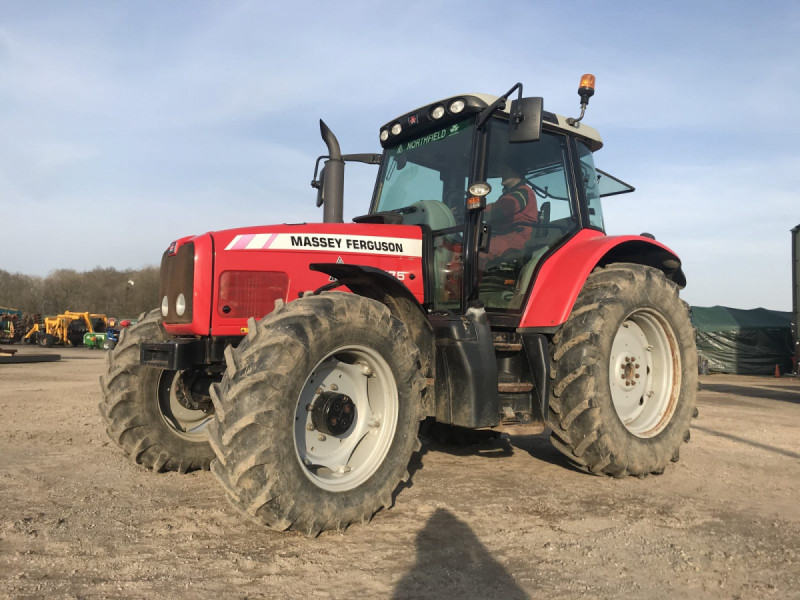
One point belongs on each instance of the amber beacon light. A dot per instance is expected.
(585, 91)
(586, 88)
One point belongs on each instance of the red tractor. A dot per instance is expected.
(297, 361)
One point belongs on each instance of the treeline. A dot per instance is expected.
(123, 294)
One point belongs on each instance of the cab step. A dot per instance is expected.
(514, 387)
(507, 346)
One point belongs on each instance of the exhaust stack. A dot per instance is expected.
(333, 182)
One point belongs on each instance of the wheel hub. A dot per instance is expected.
(345, 418)
(644, 373)
(630, 371)
(191, 391)
(333, 413)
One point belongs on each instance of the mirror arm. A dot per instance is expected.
(369, 159)
(492, 108)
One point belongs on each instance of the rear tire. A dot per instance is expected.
(625, 370)
(288, 467)
(142, 411)
(46, 340)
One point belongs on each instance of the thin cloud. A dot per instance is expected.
(168, 119)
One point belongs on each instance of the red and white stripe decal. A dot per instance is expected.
(253, 241)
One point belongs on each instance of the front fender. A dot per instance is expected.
(377, 284)
(561, 277)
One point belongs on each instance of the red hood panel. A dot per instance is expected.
(290, 249)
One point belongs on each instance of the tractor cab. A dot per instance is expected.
(457, 168)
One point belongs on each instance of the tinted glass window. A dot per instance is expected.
(591, 186)
(530, 210)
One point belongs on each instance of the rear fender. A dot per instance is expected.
(379, 285)
(561, 277)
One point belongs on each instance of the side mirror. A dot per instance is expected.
(320, 185)
(525, 121)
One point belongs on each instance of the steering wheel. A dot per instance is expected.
(456, 201)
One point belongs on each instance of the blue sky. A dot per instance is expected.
(124, 125)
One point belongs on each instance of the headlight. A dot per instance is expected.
(384, 135)
(164, 306)
(180, 305)
(396, 129)
(456, 106)
(438, 112)
(480, 189)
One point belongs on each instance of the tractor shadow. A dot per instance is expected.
(452, 562)
(766, 393)
(457, 441)
(539, 447)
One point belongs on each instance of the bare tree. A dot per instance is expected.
(122, 294)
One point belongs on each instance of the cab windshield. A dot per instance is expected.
(425, 179)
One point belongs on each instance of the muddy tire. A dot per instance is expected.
(317, 415)
(625, 374)
(46, 340)
(142, 413)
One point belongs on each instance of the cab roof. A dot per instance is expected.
(477, 102)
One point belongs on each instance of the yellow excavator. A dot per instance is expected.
(65, 329)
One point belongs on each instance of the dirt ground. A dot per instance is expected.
(509, 520)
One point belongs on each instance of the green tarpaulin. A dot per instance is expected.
(744, 342)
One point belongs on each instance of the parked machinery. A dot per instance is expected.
(65, 329)
(11, 325)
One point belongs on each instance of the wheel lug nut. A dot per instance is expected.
(334, 387)
(309, 408)
(310, 427)
(636, 365)
(637, 376)
(627, 359)
(321, 437)
(319, 390)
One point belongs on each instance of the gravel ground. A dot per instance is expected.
(506, 519)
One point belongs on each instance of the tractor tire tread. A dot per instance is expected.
(121, 407)
(585, 427)
(253, 467)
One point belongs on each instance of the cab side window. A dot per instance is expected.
(591, 186)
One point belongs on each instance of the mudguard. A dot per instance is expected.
(560, 278)
(380, 285)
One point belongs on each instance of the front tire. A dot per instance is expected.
(318, 413)
(143, 411)
(625, 370)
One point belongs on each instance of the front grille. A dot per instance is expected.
(177, 277)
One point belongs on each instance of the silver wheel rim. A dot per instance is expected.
(184, 422)
(339, 463)
(644, 373)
